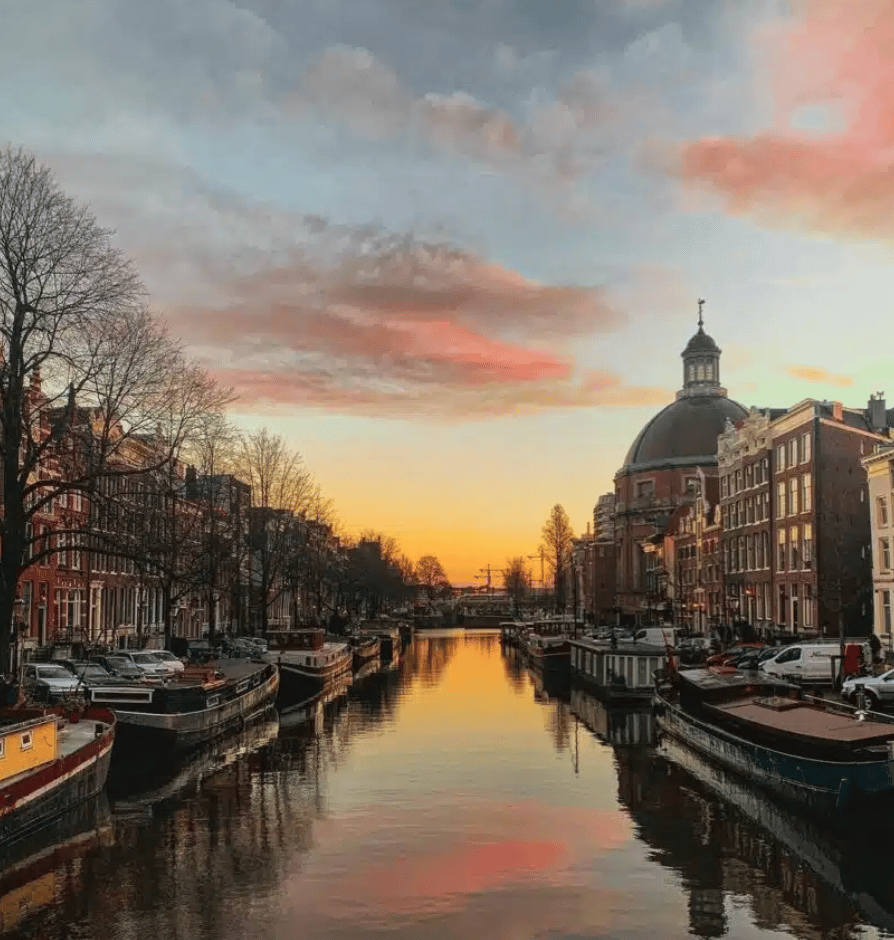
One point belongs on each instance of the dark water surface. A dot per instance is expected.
(451, 798)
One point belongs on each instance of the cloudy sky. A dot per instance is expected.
(452, 250)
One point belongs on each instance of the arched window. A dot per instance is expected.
(700, 372)
(709, 371)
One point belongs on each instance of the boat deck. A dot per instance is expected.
(791, 717)
(75, 735)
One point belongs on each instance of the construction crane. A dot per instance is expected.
(486, 574)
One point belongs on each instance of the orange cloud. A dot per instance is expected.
(837, 55)
(386, 325)
(819, 376)
(555, 139)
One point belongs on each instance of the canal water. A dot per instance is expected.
(455, 798)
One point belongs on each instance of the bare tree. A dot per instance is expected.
(517, 580)
(432, 578)
(104, 376)
(282, 491)
(556, 544)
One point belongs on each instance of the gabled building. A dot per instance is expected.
(879, 467)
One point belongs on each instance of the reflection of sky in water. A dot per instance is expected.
(443, 804)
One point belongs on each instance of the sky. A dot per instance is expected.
(451, 250)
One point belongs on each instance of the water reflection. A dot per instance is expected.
(437, 800)
(732, 845)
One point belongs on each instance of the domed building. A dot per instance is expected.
(661, 472)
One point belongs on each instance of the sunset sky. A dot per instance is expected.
(452, 249)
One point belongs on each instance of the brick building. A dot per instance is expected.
(664, 464)
(796, 521)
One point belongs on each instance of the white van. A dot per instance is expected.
(807, 662)
(656, 636)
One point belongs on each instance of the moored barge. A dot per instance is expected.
(187, 711)
(308, 663)
(51, 760)
(815, 752)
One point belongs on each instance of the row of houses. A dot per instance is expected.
(155, 543)
(792, 532)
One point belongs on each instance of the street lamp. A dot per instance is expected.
(18, 629)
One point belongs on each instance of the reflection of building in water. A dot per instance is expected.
(719, 852)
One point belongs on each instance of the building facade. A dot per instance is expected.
(879, 467)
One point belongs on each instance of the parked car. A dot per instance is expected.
(48, 682)
(729, 656)
(164, 656)
(91, 673)
(119, 666)
(878, 690)
(694, 649)
(146, 662)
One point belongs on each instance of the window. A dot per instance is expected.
(806, 492)
(780, 551)
(645, 488)
(790, 655)
(751, 552)
(884, 555)
(793, 452)
(765, 549)
(793, 509)
(886, 611)
(807, 545)
(794, 548)
(738, 481)
(805, 448)
(742, 559)
(724, 486)
(807, 608)
(780, 500)
(780, 458)
(2, 748)
(882, 510)
(27, 740)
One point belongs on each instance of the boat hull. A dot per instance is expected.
(365, 653)
(817, 784)
(180, 732)
(51, 792)
(298, 683)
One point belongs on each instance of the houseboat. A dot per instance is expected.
(365, 648)
(390, 641)
(621, 725)
(51, 760)
(820, 754)
(550, 655)
(619, 672)
(190, 708)
(308, 663)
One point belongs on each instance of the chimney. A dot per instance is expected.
(36, 388)
(876, 412)
(837, 411)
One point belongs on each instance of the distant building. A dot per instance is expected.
(661, 470)
(604, 517)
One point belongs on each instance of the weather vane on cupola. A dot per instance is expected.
(701, 322)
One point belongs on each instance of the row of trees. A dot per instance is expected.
(102, 409)
(556, 543)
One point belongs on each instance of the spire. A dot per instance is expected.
(701, 322)
(701, 362)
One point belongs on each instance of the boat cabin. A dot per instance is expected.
(26, 743)
(624, 671)
(311, 638)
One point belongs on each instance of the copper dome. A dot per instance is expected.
(684, 433)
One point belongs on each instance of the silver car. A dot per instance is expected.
(146, 661)
(878, 690)
(48, 682)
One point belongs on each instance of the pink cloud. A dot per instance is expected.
(819, 376)
(836, 55)
(390, 325)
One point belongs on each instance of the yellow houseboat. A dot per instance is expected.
(51, 760)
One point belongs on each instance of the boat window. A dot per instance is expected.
(213, 700)
(242, 687)
(308, 660)
(2, 748)
(27, 741)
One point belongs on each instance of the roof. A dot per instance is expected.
(701, 343)
(684, 433)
